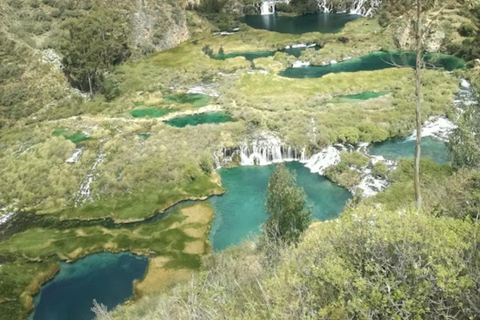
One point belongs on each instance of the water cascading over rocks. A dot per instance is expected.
(365, 8)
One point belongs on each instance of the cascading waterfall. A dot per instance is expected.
(85, 192)
(440, 127)
(365, 8)
(265, 149)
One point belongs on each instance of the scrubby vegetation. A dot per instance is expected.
(370, 264)
(70, 157)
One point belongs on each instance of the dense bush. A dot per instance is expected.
(95, 43)
(370, 264)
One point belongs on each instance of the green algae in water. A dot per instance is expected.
(241, 211)
(150, 112)
(106, 277)
(144, 135)
(433, 149)
(197, 100)
(198, 119)
(250, 56)
(319, 22)
(75, 137)
(366, 95)
(376, 61)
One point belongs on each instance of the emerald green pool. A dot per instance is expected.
(198, 119)
(366, 95)
(250, 56)
(150, 112)
(318, 22)
(144, 135)
(75, 137)
(433, 149)
(376, 61)
(106, 277)
(241, 210)
(197, 100)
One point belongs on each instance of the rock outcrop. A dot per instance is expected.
(158, 25)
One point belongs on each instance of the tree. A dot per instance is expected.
(421, 33)
(285, 203)
(95, 43)
(418, 98)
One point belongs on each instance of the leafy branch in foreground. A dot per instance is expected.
(285, 203)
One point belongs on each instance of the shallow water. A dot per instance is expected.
(106, 277)
(319, 22)
(433, 149)
(75, 137)
(376, 61)
(150, 112)
(241, 211)
(198, 119)
(197, 100)
(366, 95)
(250, 56)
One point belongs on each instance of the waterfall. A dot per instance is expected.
(265, 148)
(75, 156)
(268, 7)
(365, 8)
(464, 96)
(440, 127)
(85, 192)
(319, 162)
(6, 215)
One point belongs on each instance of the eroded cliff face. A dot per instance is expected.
(158, 24)
(404, 36)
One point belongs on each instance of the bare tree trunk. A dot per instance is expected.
(418, 103)
(90, 84)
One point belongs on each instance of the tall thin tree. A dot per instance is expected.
(418, 101)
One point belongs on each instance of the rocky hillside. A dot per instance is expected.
(31, 33)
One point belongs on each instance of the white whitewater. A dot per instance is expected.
(75, 156)
(300, 64)
(366, 8)
(85, 192)
(265, 148)
(5, 216)
(440, 127)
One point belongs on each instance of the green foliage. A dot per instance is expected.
(464, 144)
(467, 30)
(96, 42)
(380, 169)
(370, 264)
(346, 172)
(285, 206)
(305, 6)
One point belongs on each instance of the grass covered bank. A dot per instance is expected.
(179, 240)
